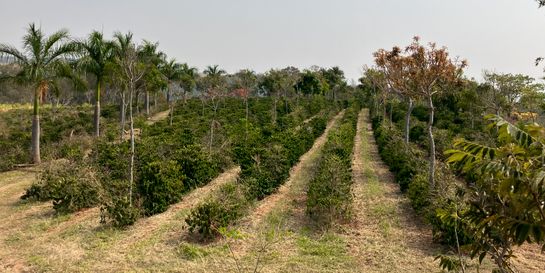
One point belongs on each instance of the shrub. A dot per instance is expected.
(417, 133)
(119, 212)
(266, 173)
(160, 185)
(70, 186)
(329, 195)
(208, 217)
(418, 192)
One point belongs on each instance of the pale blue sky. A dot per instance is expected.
(500, 35)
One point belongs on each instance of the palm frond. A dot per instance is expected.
(11, 51)
(65, 50)
(63, 70)
(32, 42)
(54, 39)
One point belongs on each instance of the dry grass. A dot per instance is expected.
(386, 235)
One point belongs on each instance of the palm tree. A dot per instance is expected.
(171, 71)
(121, 44)
(152, 58)
(97, 53)
(188, 79)
(42, 62)
(214, 71)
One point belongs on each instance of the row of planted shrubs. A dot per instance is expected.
(328, 195)
(409, 165)
(265, 160)
(170, 161)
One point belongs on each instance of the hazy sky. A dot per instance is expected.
(499, 35)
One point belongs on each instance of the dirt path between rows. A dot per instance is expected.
(386, 235)
(158, 117)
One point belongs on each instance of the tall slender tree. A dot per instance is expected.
(214, 82)
(132, 70)
(395, 67)
(122, 43)
(152, 57)
(97, 53)
(188, 79)
(171, 71)
(43, 60)
(432, 71)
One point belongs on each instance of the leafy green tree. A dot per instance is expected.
(43, 60)
(277, 83)
(505, 91)
(335, 79)
(507, 198)
(97, 53)
(310, 84)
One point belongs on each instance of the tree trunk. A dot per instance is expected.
(131, 181)
(247, 115)
(97, 109)
(35, 149)
(147, 103)
(171, 113)
(391, 114)
(168, 95)
(408, 120)
(136, 100)
(432, 145)
(211, 137)
(123, 107)
(274, 111)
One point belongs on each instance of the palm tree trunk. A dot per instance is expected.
(432, 145)
(36, 130)
(408, 120)
(97, 109)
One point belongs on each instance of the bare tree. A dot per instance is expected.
(132, 71)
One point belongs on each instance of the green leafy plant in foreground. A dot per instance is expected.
(507, 206)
